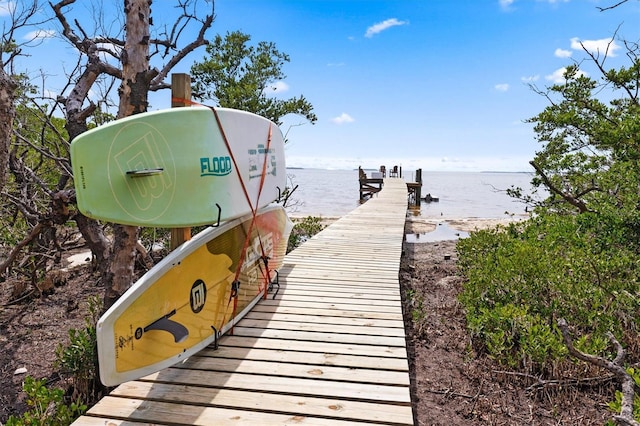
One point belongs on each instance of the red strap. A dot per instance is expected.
(253, 208)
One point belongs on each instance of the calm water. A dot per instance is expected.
(333, 193)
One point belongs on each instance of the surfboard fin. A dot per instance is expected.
(177, 330)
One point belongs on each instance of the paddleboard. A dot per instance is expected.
(178, 167)
(191, 297)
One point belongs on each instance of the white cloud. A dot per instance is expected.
(278, 87)
(602, 46)
(502, 87)
(381, 26)
(557, 76)
(562, 53)
(530, 78)
(504, 4)
(7, 7)
(343, 118)
(39, 35)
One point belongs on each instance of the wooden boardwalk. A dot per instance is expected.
(329, 350)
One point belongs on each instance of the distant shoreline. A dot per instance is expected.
(413, 170)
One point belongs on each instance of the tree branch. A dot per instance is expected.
(157, 82)
(602, 9)
(628, 385)
(579, 204)
(16, 250)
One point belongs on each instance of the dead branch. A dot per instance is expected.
(157, 82)
(543, 384)
(576, 202)
(602, 9)
(144, 256)
(449, 393)
(18, 248)
(625, 417)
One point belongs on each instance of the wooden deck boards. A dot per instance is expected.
(328, 350)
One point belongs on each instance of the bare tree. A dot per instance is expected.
(133, 51)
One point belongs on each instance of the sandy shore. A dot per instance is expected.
(420, 225)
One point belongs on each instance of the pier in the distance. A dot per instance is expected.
(372, 184)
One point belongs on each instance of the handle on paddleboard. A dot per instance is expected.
(144, 172)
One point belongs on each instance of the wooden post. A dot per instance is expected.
(180, 97)
(418, 187)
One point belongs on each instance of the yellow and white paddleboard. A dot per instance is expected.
(192, 296)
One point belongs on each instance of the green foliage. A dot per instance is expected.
(238, 75)
(79, 359)
(303, 230)
(578, 258)
(47, 406)
(520, 280)
(590, 136)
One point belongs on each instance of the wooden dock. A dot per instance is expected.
(369, 186)
(328, 350)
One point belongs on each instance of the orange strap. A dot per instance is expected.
(234, 295)
(236, 283)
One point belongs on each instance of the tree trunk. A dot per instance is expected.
(7, 114)
(133, 100)
(76, 124)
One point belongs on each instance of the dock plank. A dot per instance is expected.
(308, 358)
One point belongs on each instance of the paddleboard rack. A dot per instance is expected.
(288, 195)
(219, 216)
(216, 336)
(274, 282)
(235, 286)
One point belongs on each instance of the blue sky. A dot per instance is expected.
(436, 84)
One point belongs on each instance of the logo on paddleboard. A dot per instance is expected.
(198, 296)
(141, 171)
(215, 166)
(260, 158)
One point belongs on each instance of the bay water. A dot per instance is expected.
(462, 195)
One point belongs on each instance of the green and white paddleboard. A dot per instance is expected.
(178, 167)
